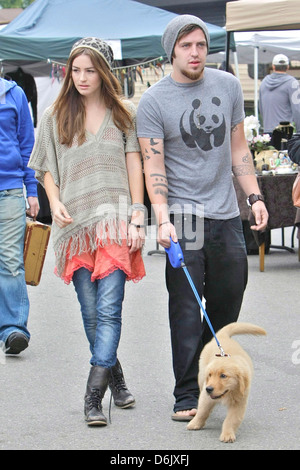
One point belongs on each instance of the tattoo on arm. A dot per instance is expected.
(148, 153)
(145, 155)
(153, 150)
(246, 168)
(152, 142)
(160, 184)
(162, 192)
(247, 158)
(243, 170)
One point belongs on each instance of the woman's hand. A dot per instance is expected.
(136, 231)
(60, 215)
(136, 237)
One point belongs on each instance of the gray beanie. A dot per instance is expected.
(173, 28)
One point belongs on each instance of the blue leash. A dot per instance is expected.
(177, 261)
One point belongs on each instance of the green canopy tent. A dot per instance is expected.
(46, 30)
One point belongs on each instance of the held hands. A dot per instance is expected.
(260, 215)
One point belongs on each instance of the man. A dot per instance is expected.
(190, 126)
(279, 96)
(16, 142)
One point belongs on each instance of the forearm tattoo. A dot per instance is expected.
(247, 158)
(149, 152)
(160, 184)
(158, 181)
(246, 168)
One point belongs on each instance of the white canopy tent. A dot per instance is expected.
(263, 15)
(267, 43)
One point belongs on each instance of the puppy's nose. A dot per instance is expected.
(209, 389)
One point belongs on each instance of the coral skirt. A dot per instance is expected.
(106, 259)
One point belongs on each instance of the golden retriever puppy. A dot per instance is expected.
(225, 379)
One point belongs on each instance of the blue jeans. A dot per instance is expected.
(219, 270)
(14, 300)
(101, 309)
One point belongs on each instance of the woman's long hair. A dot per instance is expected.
(69, 106)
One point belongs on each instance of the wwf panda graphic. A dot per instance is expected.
(206, 131)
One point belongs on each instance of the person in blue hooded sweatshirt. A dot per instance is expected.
(17, 183)
(279, 96)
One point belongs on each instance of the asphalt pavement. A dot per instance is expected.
(42, 389)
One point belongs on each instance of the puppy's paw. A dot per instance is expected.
(227, 436)
(195, 424)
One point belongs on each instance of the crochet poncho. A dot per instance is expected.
(92, 180)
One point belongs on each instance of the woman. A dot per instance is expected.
(87, 157)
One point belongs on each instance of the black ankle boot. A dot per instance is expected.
(96, 387)
(121, 394)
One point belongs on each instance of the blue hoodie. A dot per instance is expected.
(16, 139)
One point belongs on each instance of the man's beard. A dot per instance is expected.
(192, 75)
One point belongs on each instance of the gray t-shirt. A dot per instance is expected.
(195, 121)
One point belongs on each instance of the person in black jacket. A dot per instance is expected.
(27, 82)
(293, 146)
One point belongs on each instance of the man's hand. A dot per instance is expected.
(34, 206)
(260, 215)
(165, 231)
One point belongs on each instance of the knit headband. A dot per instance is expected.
(173, 28)
(97, 45)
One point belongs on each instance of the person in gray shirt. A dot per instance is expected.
(279, 96)
(191, 133)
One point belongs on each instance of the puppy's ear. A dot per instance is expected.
(243, 383)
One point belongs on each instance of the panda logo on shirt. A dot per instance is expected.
(206, 131)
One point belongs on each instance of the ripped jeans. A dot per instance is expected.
(14, 302)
